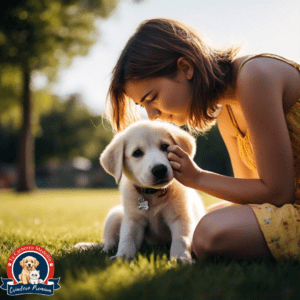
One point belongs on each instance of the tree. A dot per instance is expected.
(66, 129)
(41, 35)
(69, 130)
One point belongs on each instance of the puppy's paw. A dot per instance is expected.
(184, 257)
(107, 247)
(183, 260)
(85, 246)
(113, 258)
(123, 257)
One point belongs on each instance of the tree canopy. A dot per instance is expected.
(42, 35)
(69, 130)
(49, 33)
(45, 34)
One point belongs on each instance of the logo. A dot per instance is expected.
(30, 270)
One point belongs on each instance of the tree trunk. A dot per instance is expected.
(26, 164)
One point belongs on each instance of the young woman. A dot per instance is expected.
(167, 68)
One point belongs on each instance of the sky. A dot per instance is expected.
(259, 26)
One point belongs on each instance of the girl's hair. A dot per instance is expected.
(153, 52)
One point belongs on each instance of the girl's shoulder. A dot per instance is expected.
(238, 62)
(263, 60)
(250, 71)
(278, 74)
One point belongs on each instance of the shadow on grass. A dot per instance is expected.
(213, 278)
(77, 265)
(221, 278)
(72, 262)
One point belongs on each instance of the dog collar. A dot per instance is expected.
(143, 204)
(147, 191)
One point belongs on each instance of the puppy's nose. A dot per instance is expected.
(159, 171)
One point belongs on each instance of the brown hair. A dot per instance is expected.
(153, 52)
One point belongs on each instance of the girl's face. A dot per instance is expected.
(163, 98)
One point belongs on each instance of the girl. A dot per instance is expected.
(167, 68)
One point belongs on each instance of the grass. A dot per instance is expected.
(58, 219)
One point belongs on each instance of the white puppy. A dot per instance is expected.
(155, 207)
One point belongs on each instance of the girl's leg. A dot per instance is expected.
(231, 231)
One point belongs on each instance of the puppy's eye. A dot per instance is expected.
(164, 147)
(137, 153)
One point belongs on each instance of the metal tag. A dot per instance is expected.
(143, 204)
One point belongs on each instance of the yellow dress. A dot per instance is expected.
(280, 225)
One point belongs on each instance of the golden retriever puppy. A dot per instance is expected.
(28, 264)
(155, 207)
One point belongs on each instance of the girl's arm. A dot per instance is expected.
(260, 94)
(237, 190)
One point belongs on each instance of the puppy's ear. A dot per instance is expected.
(22, 263)
(36, 263)
(184, 140)
(111, 158)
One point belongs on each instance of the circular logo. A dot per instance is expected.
(33, 258)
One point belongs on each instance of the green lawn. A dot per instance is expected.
(58, 219)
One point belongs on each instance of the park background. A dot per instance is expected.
(56, 60)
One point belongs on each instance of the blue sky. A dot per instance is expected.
(260, 26)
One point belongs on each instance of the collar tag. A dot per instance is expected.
(143, 204)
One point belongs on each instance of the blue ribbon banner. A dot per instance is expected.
(21, 289)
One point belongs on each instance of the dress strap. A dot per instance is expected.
(290, 62)
(233, 121)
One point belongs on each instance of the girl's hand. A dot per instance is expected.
(185, 169)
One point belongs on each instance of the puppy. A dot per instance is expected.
(155, 208)
(28, 264)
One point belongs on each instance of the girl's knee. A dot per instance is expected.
(230, 231)
(206, 237)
